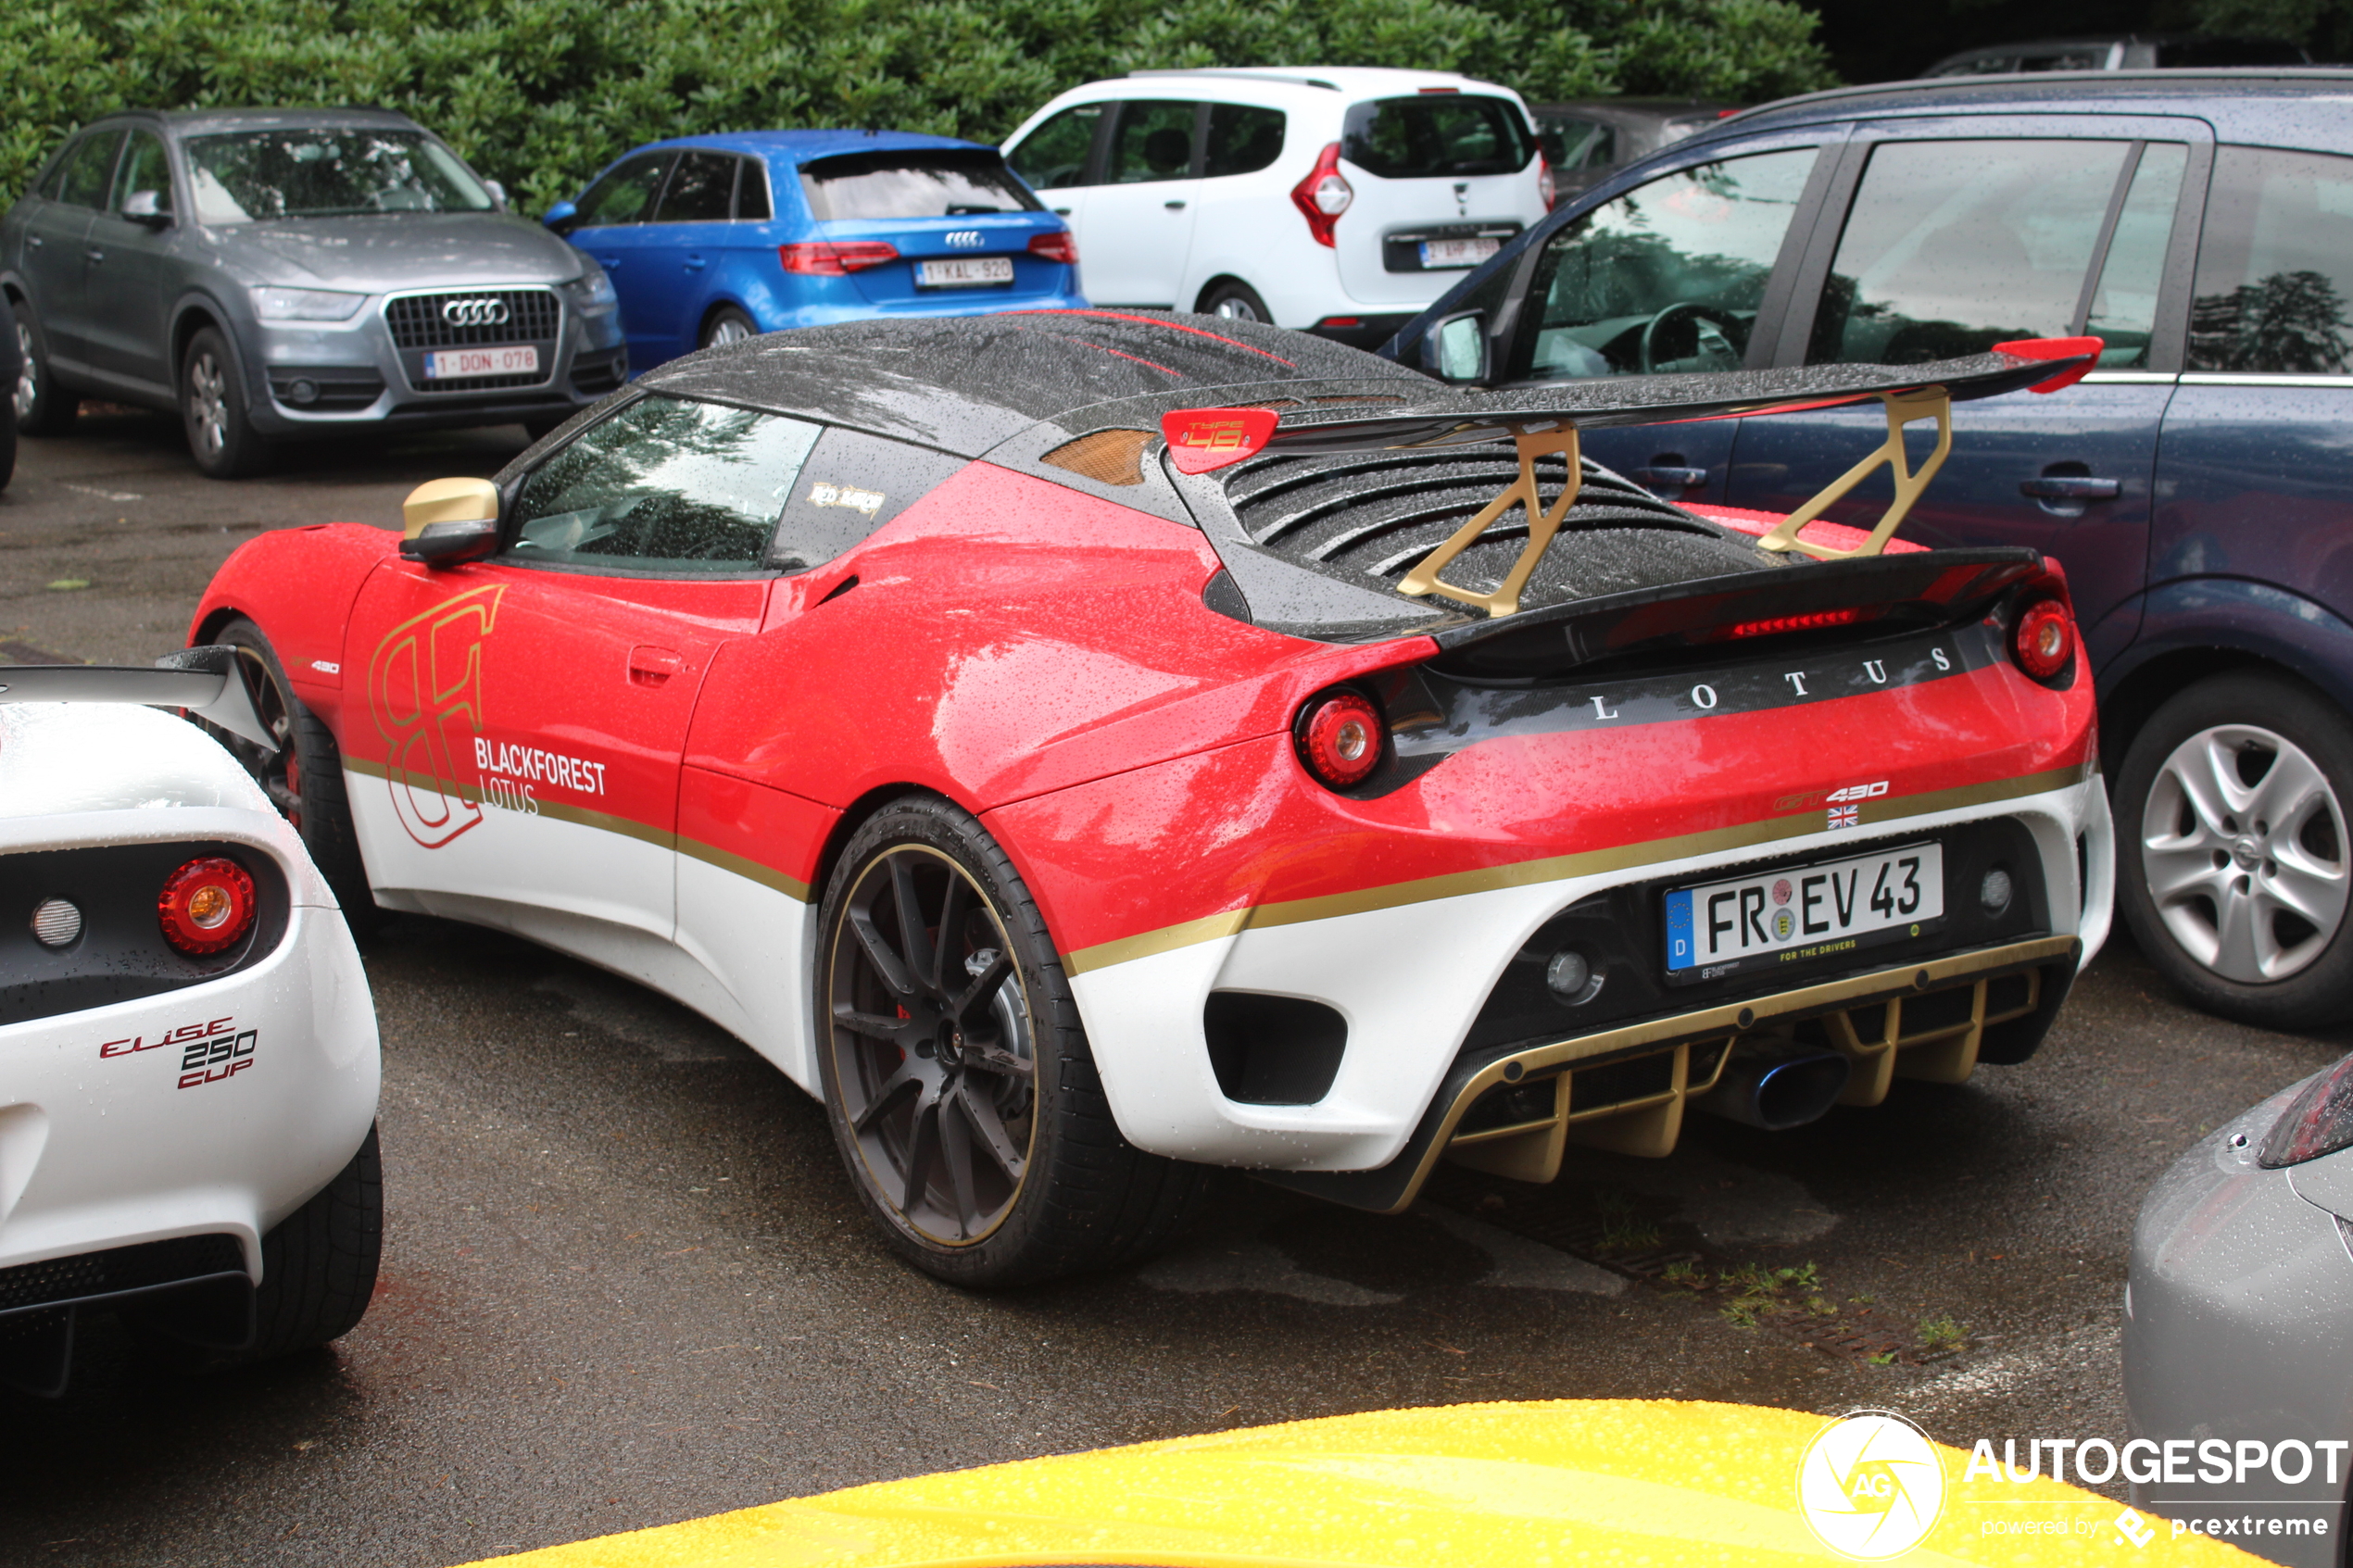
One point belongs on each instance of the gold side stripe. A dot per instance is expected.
(605, 822)
(1556, 868)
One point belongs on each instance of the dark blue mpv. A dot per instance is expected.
(2197, 485)
(709, 239)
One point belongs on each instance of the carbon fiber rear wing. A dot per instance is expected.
(205, 681)
(1543, 422)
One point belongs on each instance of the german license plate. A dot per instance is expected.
(443, 364)
(965, 272)
(1806, 912)
(1458, 253)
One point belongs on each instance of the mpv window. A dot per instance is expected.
(1954, 247)
(1668, 276)
(2275, 265)
(1438, 135)
(1242, 140)
(2124, 310)
(666, 484)
(1055, 154)
(942, 182)
(257, 176)
(626, 192)
(1154, 141)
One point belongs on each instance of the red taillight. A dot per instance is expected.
(1056, 246)
(2044, 639)
(1545, 188)
(1778, 623)
(1323, 195)
(827, 258)
(206, 905)
(1340, 739)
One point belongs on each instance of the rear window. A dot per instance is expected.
(1437, 134)
(925, 182)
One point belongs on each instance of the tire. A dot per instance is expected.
(979, 1084)
(212, 410)
(2233, 853)
(1236, 302)
(43, 406)
(727, 324)
(303, 777)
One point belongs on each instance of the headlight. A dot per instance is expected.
(592, 292)
(305, 304)
(2318, 1120)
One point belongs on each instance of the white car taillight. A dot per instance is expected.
(1323, 195)
(1545, 188)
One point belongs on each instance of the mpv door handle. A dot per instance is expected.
(1174, 206)
(2071, 487)
(652, 666)
(1670, 477)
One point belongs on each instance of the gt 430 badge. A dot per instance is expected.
(210, 1052)
(1845, 806)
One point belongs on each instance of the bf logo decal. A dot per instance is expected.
(424, 690)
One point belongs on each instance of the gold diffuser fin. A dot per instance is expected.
(1903, 408)
(1543, 524)
(1107, 457)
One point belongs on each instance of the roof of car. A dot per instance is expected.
(799, 144)
(191, 122)
(1352, 80)
(2258, 103)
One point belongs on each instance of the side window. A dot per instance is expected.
(1152, 140)
(2275, 265)
(1242, 140)
(51, 181)
(1954, 247)
(1667, 277)
(142, 168)
(666, 484)
(701, 191)
(852, 484)
(1055, 154)
(626, 192)
(2123, 313)
(751, 193)
(90, 169)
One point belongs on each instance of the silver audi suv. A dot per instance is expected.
(281, 275)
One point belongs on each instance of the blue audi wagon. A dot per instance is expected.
(709, 239)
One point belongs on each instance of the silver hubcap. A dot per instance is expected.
(207, 405)
(2243, 843)
(27, 388)
(729, 331)
(1235, 308)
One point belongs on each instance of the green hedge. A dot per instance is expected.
(539, 93)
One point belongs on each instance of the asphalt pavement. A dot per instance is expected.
(625, 1282)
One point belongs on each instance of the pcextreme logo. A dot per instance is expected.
(424, 691)
(1871, 1486)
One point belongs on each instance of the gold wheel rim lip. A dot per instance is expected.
(833, 958)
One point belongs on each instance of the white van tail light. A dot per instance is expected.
(1323, 196)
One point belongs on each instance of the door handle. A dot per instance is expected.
(1059, 212)
(695, 264)
(35, 241)
(1174, 206)
(94, 255)
(652, 666)
(609, 262)
(1670, 477)
(2071, 487)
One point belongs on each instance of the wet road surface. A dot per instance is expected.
(625, 1282)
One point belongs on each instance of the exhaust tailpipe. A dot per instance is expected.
(1776, 1090)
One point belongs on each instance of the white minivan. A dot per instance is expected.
(1340, 200)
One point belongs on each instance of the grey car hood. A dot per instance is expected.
(383, 252)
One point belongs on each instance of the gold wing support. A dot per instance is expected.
(1543, 524)
(1903, 408)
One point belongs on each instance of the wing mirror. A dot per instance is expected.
(146, 208)
(1456, 348)
(564, 218)
(450, 520)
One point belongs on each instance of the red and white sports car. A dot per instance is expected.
(1085, 748)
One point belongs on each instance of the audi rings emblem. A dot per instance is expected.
(474, 312)
(964, 238)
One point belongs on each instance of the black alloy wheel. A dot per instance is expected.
(43, 406)
(956, 1075)
(302, 777)
(212, 407)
